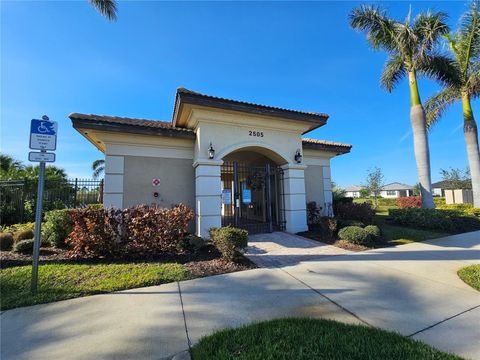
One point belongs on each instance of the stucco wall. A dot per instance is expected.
(314, 184)
(177, 181)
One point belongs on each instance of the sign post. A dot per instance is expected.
(43, 137)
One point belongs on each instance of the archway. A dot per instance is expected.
(252, 190)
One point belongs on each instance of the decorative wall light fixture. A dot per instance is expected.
(298, 156)
(211, 152)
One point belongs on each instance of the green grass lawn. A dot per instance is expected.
(306, 339)
(471, 275)
(65, 281)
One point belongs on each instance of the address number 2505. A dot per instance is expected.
(255, 133)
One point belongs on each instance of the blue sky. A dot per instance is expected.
(60, 57)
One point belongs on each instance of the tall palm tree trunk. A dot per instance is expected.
(420, 143)
(471, 138)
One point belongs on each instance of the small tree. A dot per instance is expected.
(456, 178)
(364, 193)
(374, 182)
(337, 192)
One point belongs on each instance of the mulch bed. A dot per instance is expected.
(319, 236)
(205, 262)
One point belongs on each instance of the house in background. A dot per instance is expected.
(439, 187)
(393, 190)
(353, 191)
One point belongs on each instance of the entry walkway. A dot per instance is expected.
(281, 249)
(412, 289)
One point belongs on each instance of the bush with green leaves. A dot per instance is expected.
(18, 227)
(229, 241)
(348, 222)
(356, 235)
(466, 209)
(6, 241)
(374, 232)
(440, 220)
(26, 246)
(362, 212)
(23, 235)
(58, 225)
(191, 243)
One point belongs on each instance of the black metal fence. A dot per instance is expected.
(18, 197)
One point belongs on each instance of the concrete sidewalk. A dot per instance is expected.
(412, 289)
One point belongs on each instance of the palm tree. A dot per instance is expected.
(411, 49)
(463, 86)
(98, 167)
(107, 8)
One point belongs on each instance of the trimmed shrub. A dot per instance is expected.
(26, 246)
(343, 200)
(139, 231)
(229, 241)
(407, 202)
(451, 221)
(18, 227)
(348, 222)
(466, 209)
(374, 232)
(362, 212)
(386, 202)
(23, 235)
(58, 225)
(6, 241)
(191, 242)
(355, 234)
(439, 201)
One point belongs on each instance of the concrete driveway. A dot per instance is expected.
(412, 289)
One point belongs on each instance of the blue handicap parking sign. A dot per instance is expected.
(42, 127)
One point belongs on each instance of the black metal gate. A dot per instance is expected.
(253, 197)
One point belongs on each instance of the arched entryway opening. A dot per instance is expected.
(252, 182)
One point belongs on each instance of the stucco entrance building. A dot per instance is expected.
(233, 162)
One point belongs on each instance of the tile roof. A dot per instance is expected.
(182, 90)
(132, 124)
(326, 145)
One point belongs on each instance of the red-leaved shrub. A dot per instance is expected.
(352, 211)
(139, 231)
(408, 202)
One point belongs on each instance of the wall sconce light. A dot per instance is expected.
(298, 156)
(211, 152)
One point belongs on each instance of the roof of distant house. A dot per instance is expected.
(353, 188)
(397, 186)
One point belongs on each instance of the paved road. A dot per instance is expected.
(412, 289)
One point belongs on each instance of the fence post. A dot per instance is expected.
(75, 195)
(22, 204)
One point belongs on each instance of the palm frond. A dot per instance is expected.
(107, 8)
(429, 28)
(98, 163)
(440, 68)
(98, 171)
(437, 104)
(393, 71)
(467, 39)
(375, 23)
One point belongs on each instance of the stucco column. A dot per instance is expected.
(327, 192)
(113, 184)
(295, 199)
(208, 196)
